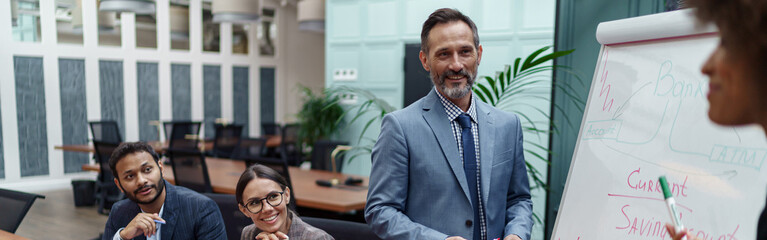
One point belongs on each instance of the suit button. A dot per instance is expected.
(468, 223)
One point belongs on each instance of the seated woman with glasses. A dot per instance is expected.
(263, 195)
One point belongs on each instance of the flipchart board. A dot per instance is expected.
(646, 116)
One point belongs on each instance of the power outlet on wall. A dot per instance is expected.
(345, 74)
(348, 99)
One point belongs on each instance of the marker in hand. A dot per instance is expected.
(671, 204)
(158, 221)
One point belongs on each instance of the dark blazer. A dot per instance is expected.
(189, 215)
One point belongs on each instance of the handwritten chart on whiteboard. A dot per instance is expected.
(646, 116)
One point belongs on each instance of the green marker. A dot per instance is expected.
(671, 204)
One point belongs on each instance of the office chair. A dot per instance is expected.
(227, 139)
(290, 147)
(105, 131)
(342, 230)
(190, 169)
(270, 128)
(14, 205)
(184, 135)
(234, 220)
(107, 191)
(321, 155)
(251, 150)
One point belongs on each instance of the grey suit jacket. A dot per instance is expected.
(418, 189)
(189, 215)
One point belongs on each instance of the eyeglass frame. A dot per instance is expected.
(261, 200)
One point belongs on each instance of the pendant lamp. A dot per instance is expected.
(311, 15)
(136, 6)
(236, 11)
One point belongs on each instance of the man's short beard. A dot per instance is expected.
(159, 186)
(454, 92)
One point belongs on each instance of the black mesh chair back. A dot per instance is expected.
(105, 131)
(14, 205)
(290, 147)
(107, 192)
(103, 151)
(167, 127)
(190, 169)
(234, 220)
(270, 128)
(251, 150)
(227, 139)
(321, 155)
(342, 230)
(184, 135)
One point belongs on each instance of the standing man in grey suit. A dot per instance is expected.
(155, 209)
(449, 166)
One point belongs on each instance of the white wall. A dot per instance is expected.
(302, 62)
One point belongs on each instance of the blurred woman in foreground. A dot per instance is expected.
(737, 71)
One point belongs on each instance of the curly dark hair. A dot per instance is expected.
(742, 25)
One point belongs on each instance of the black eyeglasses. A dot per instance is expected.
(255, 206)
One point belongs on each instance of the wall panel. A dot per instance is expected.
(30, 112)
(381, 63)
(147, 75)
(498, 15)
(267, 95)
(495, 56)
(241, 106)
(380, 21)
(74, 113)
(211, 78)
(181, 92)
(537, 15)
(112, 95)
(346, 20)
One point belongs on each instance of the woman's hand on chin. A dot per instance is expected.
(272, 236)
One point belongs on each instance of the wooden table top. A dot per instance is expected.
(10, 236)
(271, 141)
(224, 174)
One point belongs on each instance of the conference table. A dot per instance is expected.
(10, 236)
(224, 174)
(159, 147)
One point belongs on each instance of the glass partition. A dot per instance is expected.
(25, 17)
(69, 21)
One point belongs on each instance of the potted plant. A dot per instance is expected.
(320, 117)
(524, 81)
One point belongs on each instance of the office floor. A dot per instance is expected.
(56, 217)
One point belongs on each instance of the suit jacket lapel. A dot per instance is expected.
(435, 116)
(169, 212)
(486, 145)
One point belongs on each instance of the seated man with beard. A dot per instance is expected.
(156, 209)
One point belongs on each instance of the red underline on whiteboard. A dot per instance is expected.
(648, 198)
(666, 38)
